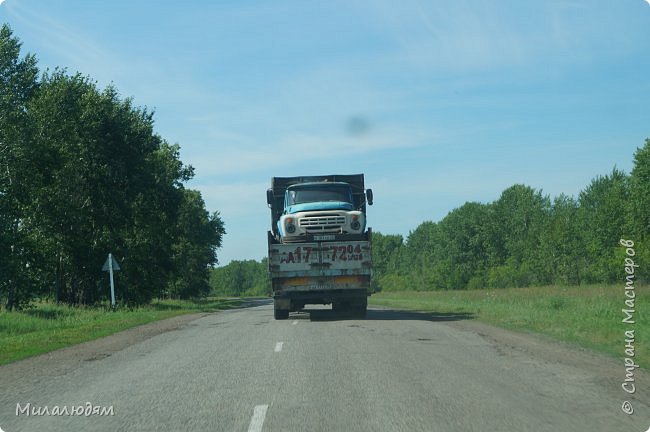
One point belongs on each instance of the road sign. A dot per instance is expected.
(107, 264)
(110, 266)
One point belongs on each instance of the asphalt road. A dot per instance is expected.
(240, 370)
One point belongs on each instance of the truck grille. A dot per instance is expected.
(322, 223)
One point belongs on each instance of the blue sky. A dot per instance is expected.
(437, 102)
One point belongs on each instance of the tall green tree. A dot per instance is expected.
(194, 251)
(639, 205)
(19, 164)
(469, 244)
(603, 217)
(387, 252)
(561, 252)
(422, 246)
(521, 213)
(96, 147)
(155, 206)
(241, 278)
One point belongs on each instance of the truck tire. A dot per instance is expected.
(360, 311)
(281, 314)
(359, 308)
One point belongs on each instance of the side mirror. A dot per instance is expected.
(369, 196)
(269, 197)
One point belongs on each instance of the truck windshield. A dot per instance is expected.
(324, 193)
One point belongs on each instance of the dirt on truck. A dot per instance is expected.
(319, 245)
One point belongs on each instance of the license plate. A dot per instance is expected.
(324, 237)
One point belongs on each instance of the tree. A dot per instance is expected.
(20, 280)
(521, 213)
(423, 245)
(469, 244)
(155, 206)
(97, 148)
(387, 253)
(561, 252)
(639, 204)
(386, 250)
(241, 278)
(603, 219)
(198, 236)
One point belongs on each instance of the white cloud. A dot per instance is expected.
(240, 154)
(452, 36)
(77, 51)
(233, 199)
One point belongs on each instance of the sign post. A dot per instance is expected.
(110, 266)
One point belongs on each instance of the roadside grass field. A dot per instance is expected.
(590, 316)
(46, 326)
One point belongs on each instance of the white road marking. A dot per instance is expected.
(278, 346)
(294, 323)
(259, 414)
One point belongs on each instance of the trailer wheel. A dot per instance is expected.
(281, 314)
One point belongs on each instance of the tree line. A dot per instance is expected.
(525, 238)
(241, 278)
(82, 174)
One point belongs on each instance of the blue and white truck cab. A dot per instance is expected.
(322, 207)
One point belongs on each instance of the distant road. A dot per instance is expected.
(240, 370)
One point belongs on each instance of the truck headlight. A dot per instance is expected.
(290, 226)
(355, 224)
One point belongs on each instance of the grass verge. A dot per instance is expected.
(590, 316)
(46, 326)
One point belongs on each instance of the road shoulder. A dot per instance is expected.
(27, 372)
(609, 371)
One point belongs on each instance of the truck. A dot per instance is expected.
(319, 248)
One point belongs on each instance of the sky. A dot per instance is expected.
(436, 102)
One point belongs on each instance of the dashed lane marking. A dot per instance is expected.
(257, 421)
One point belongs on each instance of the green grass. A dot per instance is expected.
(589, 316)
(46, 326)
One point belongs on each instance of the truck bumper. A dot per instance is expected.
(285, 299)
